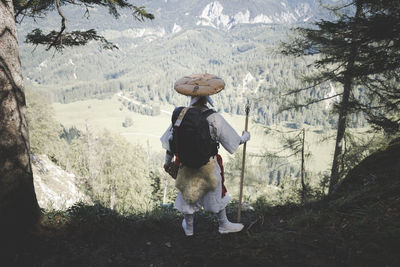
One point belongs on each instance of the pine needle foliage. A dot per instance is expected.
(59, 39)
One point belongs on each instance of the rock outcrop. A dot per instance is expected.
(55, 188)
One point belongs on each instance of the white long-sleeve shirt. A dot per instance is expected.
(220, 131)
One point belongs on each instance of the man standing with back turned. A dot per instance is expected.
(200, 178)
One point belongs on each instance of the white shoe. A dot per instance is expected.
(229, 227)
(188, 230)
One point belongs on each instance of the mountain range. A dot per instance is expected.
(176, 15)
(225, 14)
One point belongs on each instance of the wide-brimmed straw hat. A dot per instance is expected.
(199, 85)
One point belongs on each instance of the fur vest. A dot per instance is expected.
(195, 183)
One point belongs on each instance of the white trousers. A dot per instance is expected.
(212, 201)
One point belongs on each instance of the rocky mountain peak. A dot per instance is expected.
(214, 15)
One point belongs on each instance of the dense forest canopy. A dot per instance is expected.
(246, 59)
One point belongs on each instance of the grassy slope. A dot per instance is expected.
(358, 226)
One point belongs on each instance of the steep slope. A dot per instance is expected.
(358, 226)
(381, 169)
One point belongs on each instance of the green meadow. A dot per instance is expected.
(146, 130)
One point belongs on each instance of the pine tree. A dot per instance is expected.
(378, 66)
(348, 52)
(19, 209)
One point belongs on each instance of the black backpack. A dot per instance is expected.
(191, 139)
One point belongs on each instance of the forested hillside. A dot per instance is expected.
(151, 57)
(108, 169)
(252, 70)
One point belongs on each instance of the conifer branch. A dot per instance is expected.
(60, 39)
(75, 38)
(19, 9)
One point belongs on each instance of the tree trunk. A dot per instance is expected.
(19, 209)
(344, 105)
(303, 183)
(340, 133)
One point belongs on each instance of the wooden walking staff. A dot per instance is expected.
(243, 162)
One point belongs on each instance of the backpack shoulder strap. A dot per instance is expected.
(208, 112)
(175, 114)
(181, 116)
